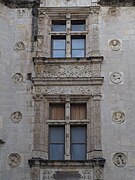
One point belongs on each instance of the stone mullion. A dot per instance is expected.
(67, 129)
(68, 36)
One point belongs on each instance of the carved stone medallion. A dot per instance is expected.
(17, 78)
(16, 117)
(21, 12)
(14, 160)
(116, 78)
(19, 46)
(120, 159)
(115, 44)
(118, 117)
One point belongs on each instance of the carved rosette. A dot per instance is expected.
(120, 159)
(14, 160)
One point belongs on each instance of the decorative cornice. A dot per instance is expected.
(125, 3)
(21, 3)
(42, 163)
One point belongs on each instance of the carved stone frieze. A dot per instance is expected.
(116, 2)
(67, 71)
(48, 175)
(120, 159)
(21, 3)
(14, 160)
(98, 173)
(86, 174)
(56, 90)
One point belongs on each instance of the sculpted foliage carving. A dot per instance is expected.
(67, 71)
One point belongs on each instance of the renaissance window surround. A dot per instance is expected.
(68, 38)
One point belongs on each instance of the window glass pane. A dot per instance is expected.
(78, 53)
(78, 25)
(56, 152)
(58, 43)
(78, 134)
(78, 152)
(57, 134)
(59, 53)
(59, 26)
(78, 111)
(57, 111)
(77, 43)
(56, 142)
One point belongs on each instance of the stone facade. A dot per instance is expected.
(31, 80)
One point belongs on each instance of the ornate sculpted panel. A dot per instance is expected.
(67, 70)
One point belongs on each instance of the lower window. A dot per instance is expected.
(77, 142)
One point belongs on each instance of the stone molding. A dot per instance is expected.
(116, 2)
(21, 3)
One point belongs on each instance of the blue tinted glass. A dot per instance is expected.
(59, 26)
(78, 25)
(58, 43)
(78, 53)
(58, 53)
(78, 152)
(56, 151)
(78, 134)
(77, 43)
(56, 134)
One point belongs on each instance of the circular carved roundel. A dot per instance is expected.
(116, 78)
(118, 117)
(16, 117)
(17, 78)
(120, 159)
(14, 160)
(115, 44)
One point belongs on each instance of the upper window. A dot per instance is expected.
(58, 46)
(58, 25)
(78, 25)
(67, 38)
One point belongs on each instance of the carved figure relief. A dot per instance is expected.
(19, 46)
(116, 77)
(67, 71)
(115, 44)
(14, 160)
(120, 159)
(17, 78)
(16, 117)
(118, 117)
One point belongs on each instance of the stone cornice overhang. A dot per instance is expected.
(64, 163)
(125, 3)
(21, 3)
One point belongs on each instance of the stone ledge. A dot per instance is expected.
(42, 163)
(21, 3)
(116, 3)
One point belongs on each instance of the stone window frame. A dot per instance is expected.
(42, 123)
(47, 15)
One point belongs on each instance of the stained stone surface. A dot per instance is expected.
(110, 21)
